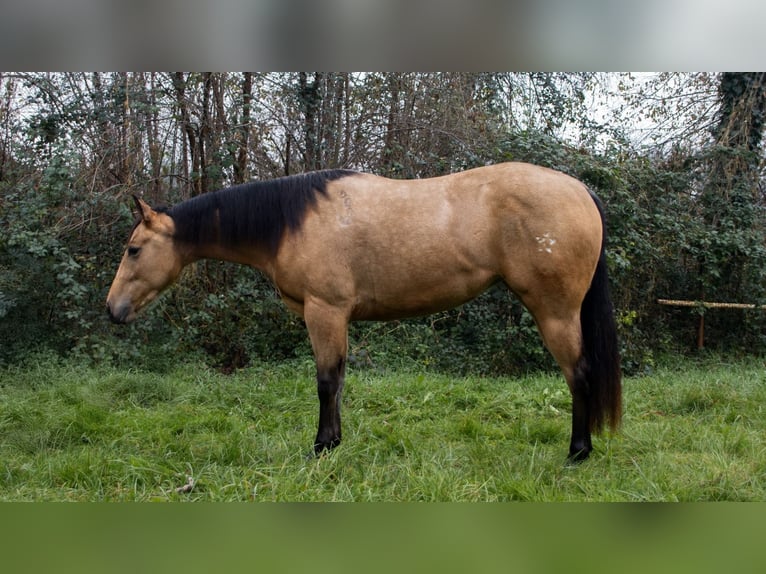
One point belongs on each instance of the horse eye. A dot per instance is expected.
(133, 251)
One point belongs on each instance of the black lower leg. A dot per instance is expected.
(329, 389)
(580, 445)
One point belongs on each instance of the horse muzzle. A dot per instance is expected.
(119, 314)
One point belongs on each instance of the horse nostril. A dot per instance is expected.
(109, 312)
(114, 318)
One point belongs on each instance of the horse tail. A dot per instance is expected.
(600, 353)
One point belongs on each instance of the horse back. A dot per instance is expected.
(388, 248)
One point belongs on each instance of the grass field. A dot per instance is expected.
(695, 431)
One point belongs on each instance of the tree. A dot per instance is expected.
(732, 259)
(678, 160)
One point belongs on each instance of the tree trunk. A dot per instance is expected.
(151, 118)
(240, 166)
(390, 157)
(205, 134)
(179, 84)
(310, 99)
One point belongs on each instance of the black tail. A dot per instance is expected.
(601, 351)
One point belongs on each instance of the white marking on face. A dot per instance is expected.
(545, 243)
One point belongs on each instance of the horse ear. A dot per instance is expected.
(144, 210)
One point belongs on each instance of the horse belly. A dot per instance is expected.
(398, 296)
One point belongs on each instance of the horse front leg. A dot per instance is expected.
(328, 331)
(329, 388)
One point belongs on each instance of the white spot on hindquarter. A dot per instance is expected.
(545, 243)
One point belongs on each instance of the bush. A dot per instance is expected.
(672, 234)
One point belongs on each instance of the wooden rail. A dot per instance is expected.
(708, 305)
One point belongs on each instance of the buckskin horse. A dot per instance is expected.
(345, 246)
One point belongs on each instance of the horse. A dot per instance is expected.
(343, 246)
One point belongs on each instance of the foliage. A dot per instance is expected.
(245, 321)
(685, 215)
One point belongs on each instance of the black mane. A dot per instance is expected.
(253, 213)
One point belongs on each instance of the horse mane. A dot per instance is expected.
(256, 213)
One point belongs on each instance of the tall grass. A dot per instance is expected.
(693, 431)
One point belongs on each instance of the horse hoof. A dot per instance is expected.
(578, 456)
(321, 448)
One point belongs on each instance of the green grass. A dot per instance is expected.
(694, 431)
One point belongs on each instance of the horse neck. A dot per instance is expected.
(202, 240)
(243, 254)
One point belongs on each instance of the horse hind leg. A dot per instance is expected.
(563, 338)
(580, 444)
